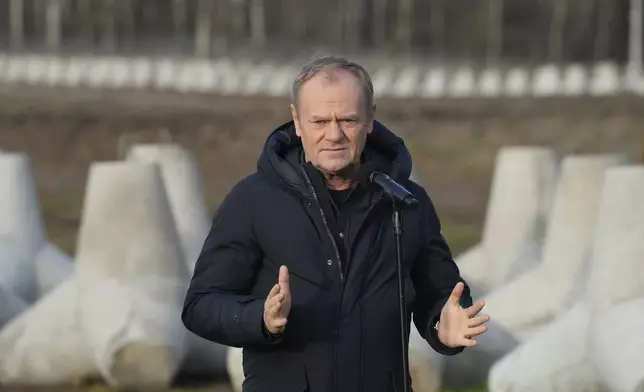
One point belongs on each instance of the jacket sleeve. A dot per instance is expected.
(434, 275)
(218, 306)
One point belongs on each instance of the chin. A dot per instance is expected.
(333, 167)
(334, 163)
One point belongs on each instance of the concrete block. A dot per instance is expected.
(131, 275)
(616, 283)
(555, 359)
(524, 305)
(52, 267)
(183, 185)
(45, 346)
(518, 208)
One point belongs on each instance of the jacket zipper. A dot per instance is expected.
(326, 224)
(337, 255)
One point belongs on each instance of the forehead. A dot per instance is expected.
(335, 87)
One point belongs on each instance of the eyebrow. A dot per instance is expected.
(350, 116)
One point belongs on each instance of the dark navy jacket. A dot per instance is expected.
(343, 330)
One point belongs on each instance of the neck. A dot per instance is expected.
(342, 179)
(337, 182)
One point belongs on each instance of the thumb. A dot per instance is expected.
(455, 297)
(284, 280)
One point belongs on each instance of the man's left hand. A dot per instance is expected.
(458, 326)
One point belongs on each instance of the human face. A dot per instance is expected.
(332, 120)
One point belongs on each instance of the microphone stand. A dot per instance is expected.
(400, 197)
(404, 333)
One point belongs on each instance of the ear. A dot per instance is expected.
(295, 121)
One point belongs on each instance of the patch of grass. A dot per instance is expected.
(460, 236)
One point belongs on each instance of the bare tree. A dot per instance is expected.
(604, 20)
(494, 30)
(352, 24)
(126, 21)
(257, 23)
(54, 27)
(379, 23)
(107, 24)
(295, 19)
(237, 19)
(84, 10)
(203, 30)
(403, 23)
(220, 13)
(556, 34)
(16, 21)
(635, 38)
(437, 26)
(583, 33)
(337, 31)
(180, 17)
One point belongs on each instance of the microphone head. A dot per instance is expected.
(363, 174)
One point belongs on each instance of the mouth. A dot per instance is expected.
(334, 149)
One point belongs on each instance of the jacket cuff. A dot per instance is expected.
(271, 337)
(432, 333)
(252, 324)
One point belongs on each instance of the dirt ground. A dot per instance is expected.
(453, 142)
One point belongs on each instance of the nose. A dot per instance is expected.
(334, 132)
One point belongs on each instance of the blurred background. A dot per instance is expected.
(491, 31)
(82, 81)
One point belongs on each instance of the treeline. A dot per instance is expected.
(480, 30)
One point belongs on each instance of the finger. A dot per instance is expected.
(467, 342)
(476, 331)
(474, 309)
(274, 311)
(272, 301)
(274, 291)
(283, 279)
(479, 320)
(280, 322)
(455, 297)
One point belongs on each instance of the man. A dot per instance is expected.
(299, 267)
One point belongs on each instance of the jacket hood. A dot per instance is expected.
(281, 160)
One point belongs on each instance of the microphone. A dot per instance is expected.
(396, 192)
(373, 172)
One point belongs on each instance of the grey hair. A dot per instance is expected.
(322, 64)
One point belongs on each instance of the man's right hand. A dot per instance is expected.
(278, 304)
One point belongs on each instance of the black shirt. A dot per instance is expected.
(339, 201)
(339, 197)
